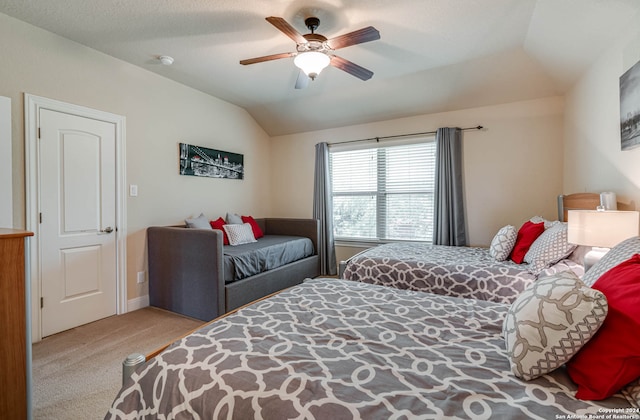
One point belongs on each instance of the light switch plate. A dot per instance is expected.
(140, 277)
(133, 190)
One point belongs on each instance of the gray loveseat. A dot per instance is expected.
(187, 269)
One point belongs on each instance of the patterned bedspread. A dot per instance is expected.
(467, 272)
(334, 349)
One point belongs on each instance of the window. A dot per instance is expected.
(384, 193)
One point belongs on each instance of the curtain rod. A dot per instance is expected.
(377, 139)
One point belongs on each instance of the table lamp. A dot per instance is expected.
(600, 229)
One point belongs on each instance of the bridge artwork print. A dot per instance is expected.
(200, 161)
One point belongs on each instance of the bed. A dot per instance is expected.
(336, 349)
(471, 272)
(192, 273)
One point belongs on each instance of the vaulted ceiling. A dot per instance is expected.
(433, 55)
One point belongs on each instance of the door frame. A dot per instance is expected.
(32, 106)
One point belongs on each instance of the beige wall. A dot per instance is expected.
(513, 168)
(593, 159)
(6, 189)
(159, 115)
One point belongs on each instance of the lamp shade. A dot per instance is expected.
(603, 229)
(312, 62)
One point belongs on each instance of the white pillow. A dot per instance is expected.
(239, 234)
(502, 244)
(550, 322)
(549, 248)
(200, 222)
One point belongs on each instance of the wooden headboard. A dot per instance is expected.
(585, 201)
(578, 201)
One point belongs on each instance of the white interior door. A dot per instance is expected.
(78, 216)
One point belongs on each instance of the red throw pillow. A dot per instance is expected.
(527, 234)
(257, 232)
(611, 359)
(217, 224)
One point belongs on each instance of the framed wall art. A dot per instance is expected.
(211, 163)
(630, 108)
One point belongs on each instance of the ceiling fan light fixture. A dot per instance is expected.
(311, 62)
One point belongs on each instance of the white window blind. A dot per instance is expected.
(384, 193)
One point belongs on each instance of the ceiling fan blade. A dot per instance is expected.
(284, 27)
(266, 58)
(351, 68)
(302, 81)
(356, 37)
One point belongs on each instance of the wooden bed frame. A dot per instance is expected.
(578, 201)
(582, 201)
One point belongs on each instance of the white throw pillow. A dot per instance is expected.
(549, 248)
(239, 234)
(549, 322)
(502, 244)
(200, 222)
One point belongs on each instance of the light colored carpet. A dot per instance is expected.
(77, 373)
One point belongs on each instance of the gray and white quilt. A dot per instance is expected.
(468, 272)
(335, 349)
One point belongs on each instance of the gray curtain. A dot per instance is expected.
(448, 219)
(323, 211)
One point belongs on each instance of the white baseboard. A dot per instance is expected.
(137, 303)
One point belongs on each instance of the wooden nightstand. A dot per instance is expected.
(16, 343)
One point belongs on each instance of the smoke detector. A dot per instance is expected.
(166, 60)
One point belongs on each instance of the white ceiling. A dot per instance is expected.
(433, 55)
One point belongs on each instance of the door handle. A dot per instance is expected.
(107, 230)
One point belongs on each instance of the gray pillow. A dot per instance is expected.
(234, 219)
(540, 219)
(550, 322)
(502, 244)
(616, 255)
(200, 222)
(549, 248)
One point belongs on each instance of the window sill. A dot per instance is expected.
(368, 243)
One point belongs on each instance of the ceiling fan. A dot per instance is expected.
(314, 51)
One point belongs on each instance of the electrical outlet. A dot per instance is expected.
(141, 277)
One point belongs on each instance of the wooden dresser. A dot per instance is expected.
(15, 344)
